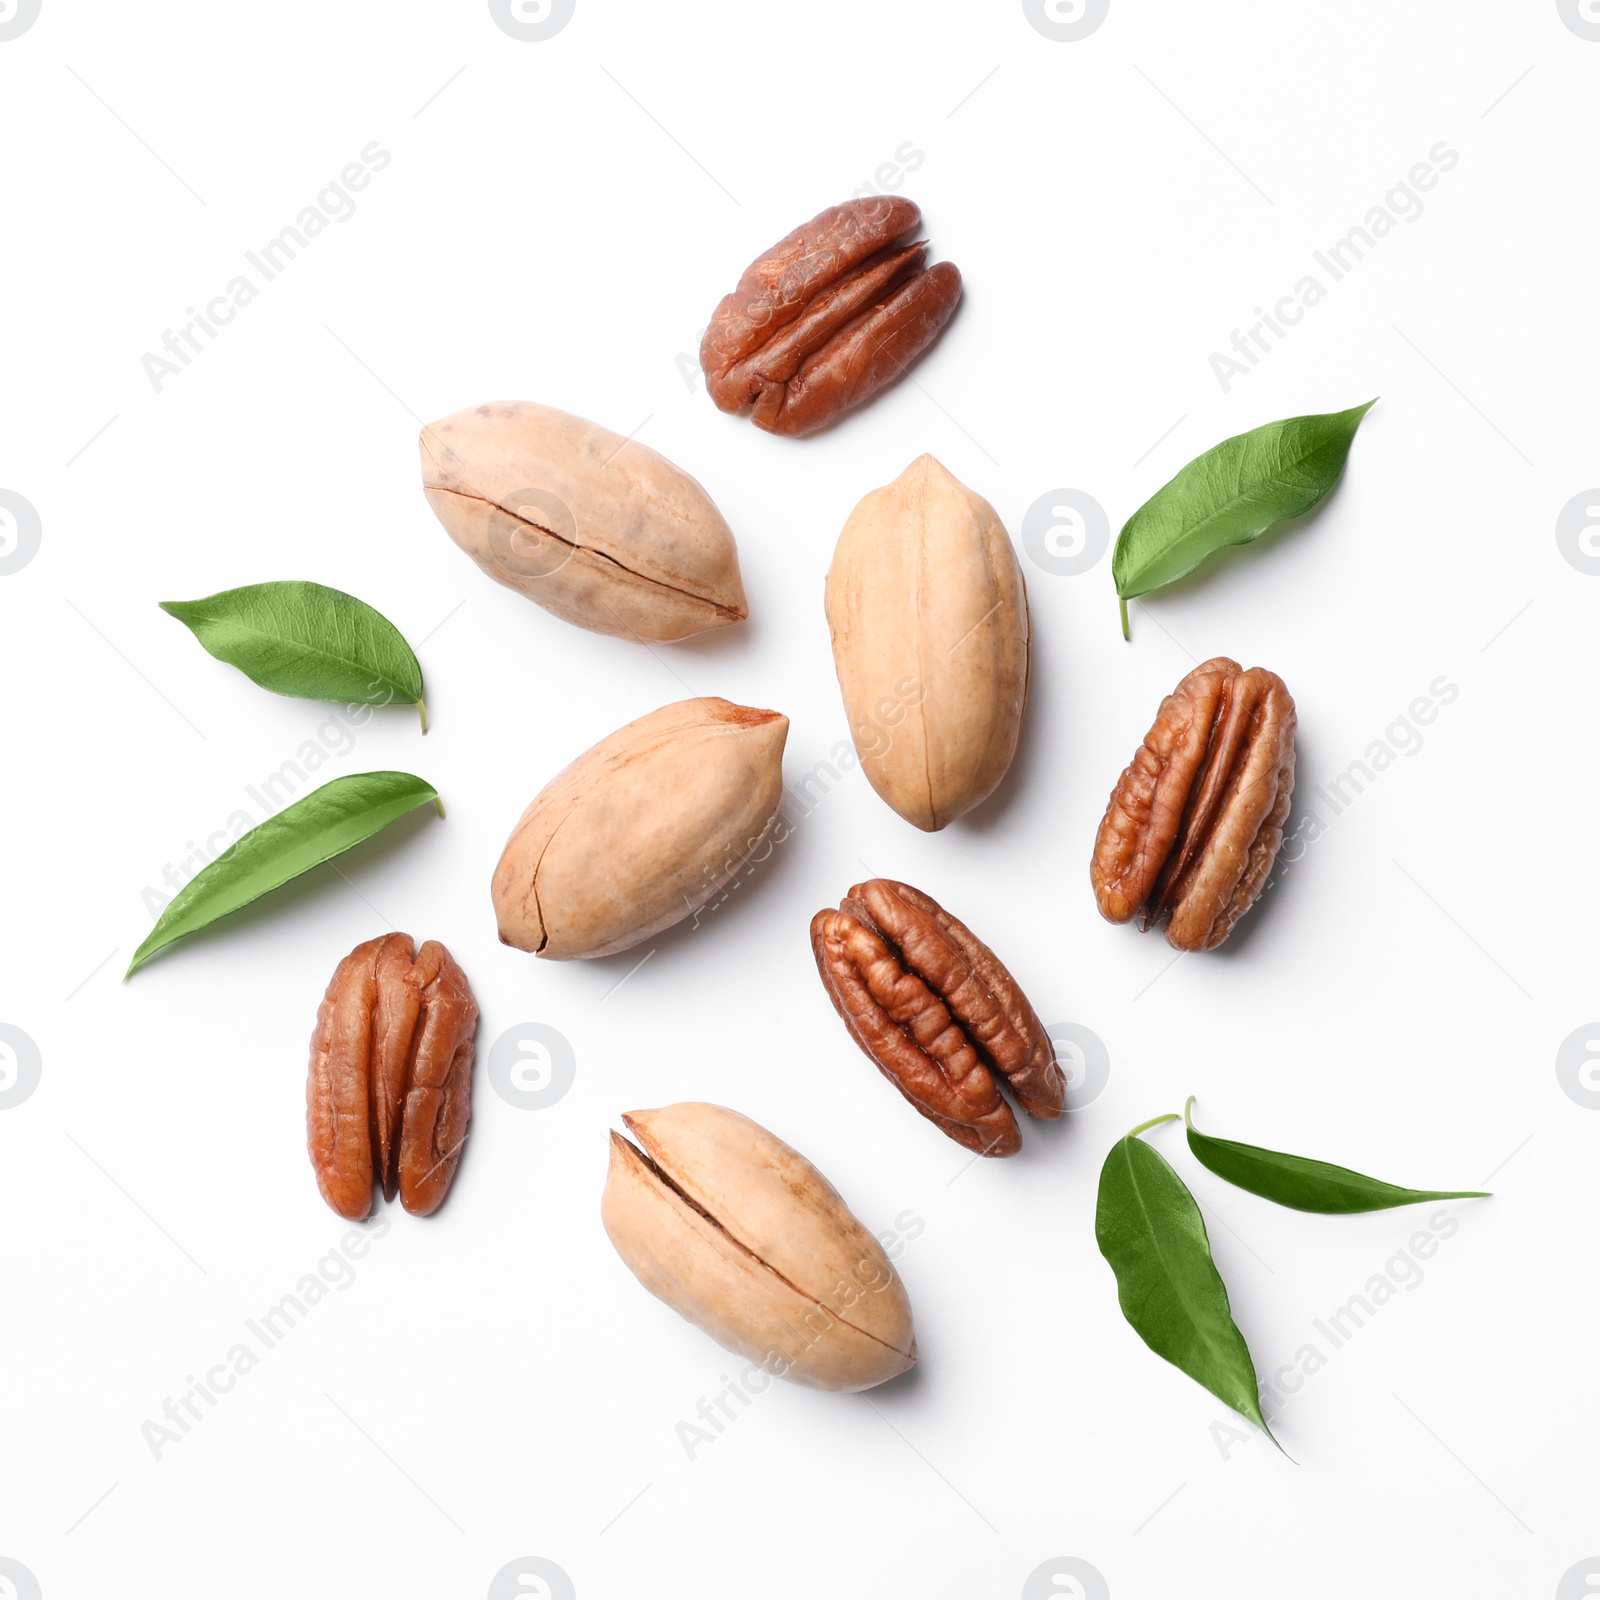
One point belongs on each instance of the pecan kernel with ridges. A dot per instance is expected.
(1196, 819)
(829, 315)
(938, 1013)
(389, 1092)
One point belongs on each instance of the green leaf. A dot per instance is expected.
(323, 824)
(1231, 495)
(309, 641)
(1150, 1230)
(1305, 1184)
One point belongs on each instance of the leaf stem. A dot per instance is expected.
(1188, 1106)
(440, 804)
(1144, 1127)
(1124, 606)
(422, 707)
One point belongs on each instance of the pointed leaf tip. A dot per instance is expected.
(1306, 1184)
(318, 826)
(1151, 1232)
(308, 641)
(1231, 495)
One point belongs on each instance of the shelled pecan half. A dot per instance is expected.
(938, 1013)
(828, 316)
(389, 1093)
(1196, 820)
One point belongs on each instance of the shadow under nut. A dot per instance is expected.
(1196, 820)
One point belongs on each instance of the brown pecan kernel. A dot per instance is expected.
(1196, 820)
(937, 1012)
(827, 317)
(389, 1092)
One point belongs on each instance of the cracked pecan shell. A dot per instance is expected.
(389, 1092)
(596, 528)
(828, 316)
(642, 830)
(741, 1235)
(1196, 820)
(938, 1013)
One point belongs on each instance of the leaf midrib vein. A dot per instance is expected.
(1343, 1181)
(321, 654)
(1272, 482)
(1155, 1237)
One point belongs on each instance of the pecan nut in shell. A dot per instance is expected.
(928, 614)
(741, 1235)
(1196, 820)
(389, 1093)
(828, 316)
(596, 528)
(642, 830)
(938, 1014)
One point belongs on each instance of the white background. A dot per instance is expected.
(556, 223)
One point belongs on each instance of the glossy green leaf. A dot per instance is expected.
(1305, 1184)
(323, 824)
(1151, 1231)
(309, 641)
(1231, 495)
